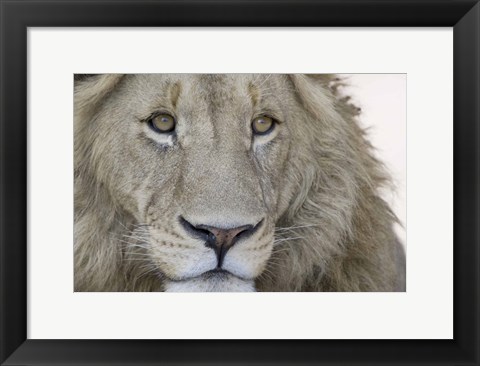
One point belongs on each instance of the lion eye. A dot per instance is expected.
(263, 125)
(162, 123)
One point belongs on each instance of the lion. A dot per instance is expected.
(227, 182)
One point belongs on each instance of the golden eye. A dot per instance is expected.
(262, 125)
(162, 123)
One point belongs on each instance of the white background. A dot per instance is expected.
(425, 311)
(383, 100)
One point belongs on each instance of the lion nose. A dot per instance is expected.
(220, 239)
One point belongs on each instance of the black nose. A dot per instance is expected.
(219, 239)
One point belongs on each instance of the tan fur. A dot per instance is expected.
(314, 182)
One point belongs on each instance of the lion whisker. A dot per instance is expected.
(153, 270)
(122, 225)
(135, 235)
(136, 244)
(276, 241)
(281, 229)
(142, 225)
(134, 251)
(135, 260)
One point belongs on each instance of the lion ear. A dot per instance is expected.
(314, 93)
(90, 89)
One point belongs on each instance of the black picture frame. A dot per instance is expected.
(18, 15)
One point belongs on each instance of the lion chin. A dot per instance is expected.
(211, 283)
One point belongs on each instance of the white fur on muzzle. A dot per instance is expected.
(211, 284)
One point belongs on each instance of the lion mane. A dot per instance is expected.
(337, 233)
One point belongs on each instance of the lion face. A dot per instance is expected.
(198, 162)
